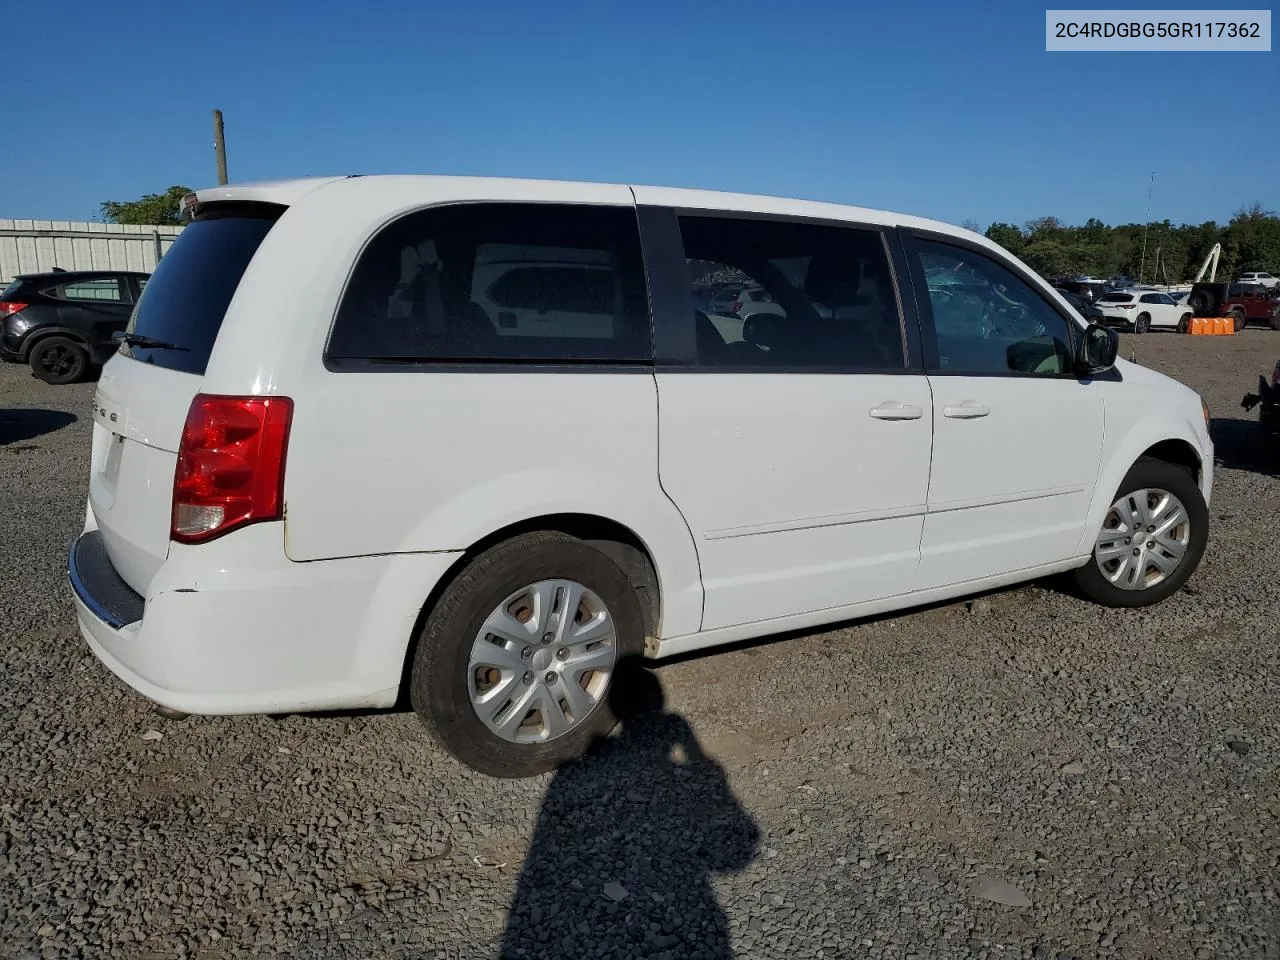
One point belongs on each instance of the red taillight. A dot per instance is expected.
(230, 465)
(8, 307)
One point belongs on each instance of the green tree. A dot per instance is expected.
(1251, 241)
(1007, 235)
(154, 208)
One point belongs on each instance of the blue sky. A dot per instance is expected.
(947, 110)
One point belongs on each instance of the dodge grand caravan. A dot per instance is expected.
(472, 440)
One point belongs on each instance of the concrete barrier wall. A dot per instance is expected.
(31, 246)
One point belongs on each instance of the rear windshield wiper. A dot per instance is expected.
(150, 343)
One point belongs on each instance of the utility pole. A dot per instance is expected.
(1146, 226)
(219, 147)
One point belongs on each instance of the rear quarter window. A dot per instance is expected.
(498, 283)
(186, 298)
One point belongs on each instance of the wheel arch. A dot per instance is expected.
(1178, 452)
(36, 334)
(1161, 437)
(615, 540)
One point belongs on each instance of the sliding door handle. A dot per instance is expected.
(969, 410)
(896, 410)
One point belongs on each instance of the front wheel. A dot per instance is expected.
(517, 660)
(1184, 323)
(1142, 324)
(1152, 538)
(1238, 319)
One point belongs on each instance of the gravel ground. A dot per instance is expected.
(1024, 776)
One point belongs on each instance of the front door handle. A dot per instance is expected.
(969, 410)
(896, 410)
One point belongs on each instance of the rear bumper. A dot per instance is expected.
(234, 627)
(11, 347)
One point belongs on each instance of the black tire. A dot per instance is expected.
(1142, 324)
(1184, 323)
(59, 360)
(1153, 474)
(1238, 319)
(438, 684)
(1199, 302)
(1275, 322)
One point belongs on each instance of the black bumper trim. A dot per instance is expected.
(97, 584)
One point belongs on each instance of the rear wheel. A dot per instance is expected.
(1152, 537)
(516, 662)
(1142, 324)
(1275, 322)
(1238, 319)
(59, 360)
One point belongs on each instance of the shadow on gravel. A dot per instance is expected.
(1240, 444)
(627, 841)
(25, 423)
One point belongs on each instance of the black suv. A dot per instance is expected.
(62, 322)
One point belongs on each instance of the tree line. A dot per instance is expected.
(1250, 241)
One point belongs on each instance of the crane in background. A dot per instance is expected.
(1210, 264)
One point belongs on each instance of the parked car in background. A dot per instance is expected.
(1267, 400)
(1260, 278)
(1141, 310)
(62, 323)
(1088, 310)
(1245, 304)
(1088, 290)
(324, 473)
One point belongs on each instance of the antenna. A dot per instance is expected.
(219, 147)
(1146, 226)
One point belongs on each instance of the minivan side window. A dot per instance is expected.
(499, 282)
(773, 294)
(988, 320)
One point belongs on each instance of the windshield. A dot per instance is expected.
(186, 298)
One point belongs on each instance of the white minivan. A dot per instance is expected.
(471, 441)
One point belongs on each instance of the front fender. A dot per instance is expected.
(1122, 452)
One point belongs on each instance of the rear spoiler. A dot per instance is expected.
(279, 193)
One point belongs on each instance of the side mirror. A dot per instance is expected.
(1098, 350)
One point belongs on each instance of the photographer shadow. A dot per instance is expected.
(627, 841)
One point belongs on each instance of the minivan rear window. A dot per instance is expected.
(187, 296)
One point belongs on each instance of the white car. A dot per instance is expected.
(1143, 309)
(326, 469)
(1260, 278)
